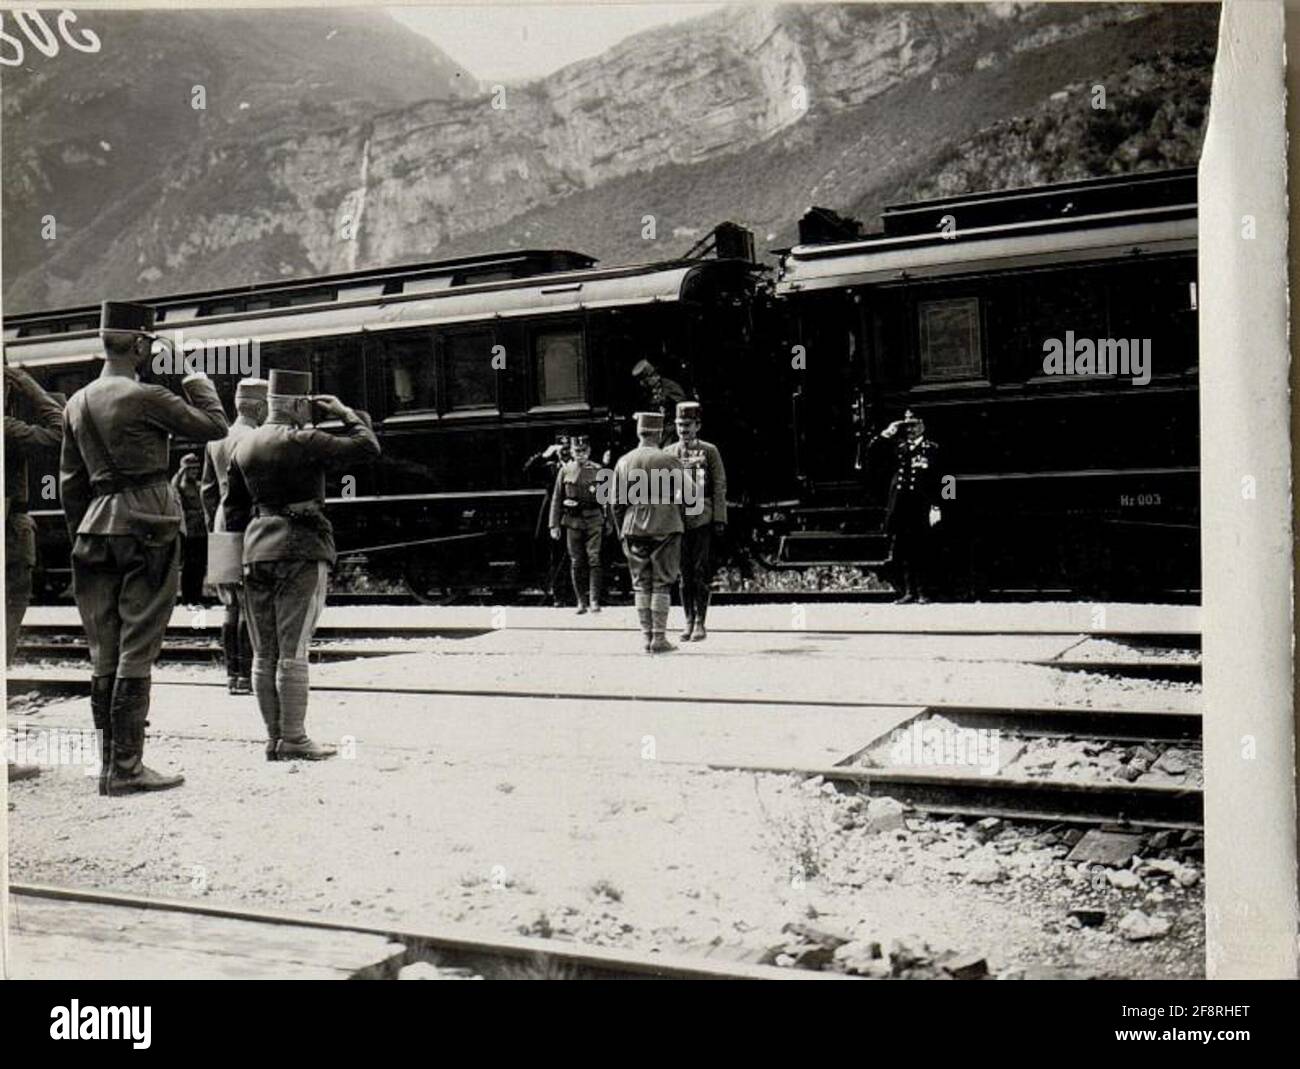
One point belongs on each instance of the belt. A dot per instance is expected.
(294, 510)
(115, 484)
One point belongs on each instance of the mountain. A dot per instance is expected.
(750, 113)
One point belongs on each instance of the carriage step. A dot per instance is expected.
(810, 548)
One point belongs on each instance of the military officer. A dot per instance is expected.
(125, 522)
(647, 505)
(581, 519)
(275, 494)
(194, 547)
(705, 516)
(33, 424)
(913, 501)
(659, 394)
(541, 469)
(250, 413)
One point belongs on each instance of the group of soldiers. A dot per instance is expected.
(264, 480)
(667, 542)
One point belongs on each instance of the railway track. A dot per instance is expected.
(264, 943)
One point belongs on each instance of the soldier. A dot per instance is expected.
(659, 394)
(913, 501)
(648, 509)
(125, 521)
(580, 517)
(541, 469)
(33, 424)
(194, 547)
(250, 409)
(275, 494)
(704, 470)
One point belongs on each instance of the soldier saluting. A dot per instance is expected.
(581, 519)
(124, 519)
(703, 464)
(913, 500)
(275, 495)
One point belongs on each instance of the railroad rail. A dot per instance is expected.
(453, 951)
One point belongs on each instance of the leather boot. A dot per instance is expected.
(643, 617)
(130, 712)
(660, 604)
(701, 611)
(268, 702)
(101, 711)
(596, 587)
(291, 685)
(579, 586)
(688, 607)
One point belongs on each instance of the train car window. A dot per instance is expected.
(408, 369)
(471, 381)
(950, 345)
(561, 376)
(339, 370)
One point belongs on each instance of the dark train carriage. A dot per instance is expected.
(1086, 483)
(468, 368)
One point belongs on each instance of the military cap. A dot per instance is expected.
(642, 368)
(126, 317)
(190, 460)
(579, 439)
(649, 422)
(286, 383)
(688, 409)
(251, 390)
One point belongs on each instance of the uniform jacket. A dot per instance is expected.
(636, 473)
(573, 501)
(663, 398)
(915, 481)
(191, 504)
(216, 473)
(24, 440)
(279, 465)
(134, 420)
(703, 464)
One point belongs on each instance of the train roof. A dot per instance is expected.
(1094, 219)
(352, 311)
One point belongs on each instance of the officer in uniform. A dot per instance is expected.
(275, 495)
(33, 424)
(541, 469)
(194, 548)
(125, 523)
(582, 519)
(250, 413)
(650, 526)
(913, 501)
(659, 394)
(705, 516)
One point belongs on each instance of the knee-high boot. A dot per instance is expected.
(268, 702)
(596, 580)
(688, 609)
(130, 712)
(101, 711)
(659, 605)
(701, 611)
(642, 601)
(292, 687)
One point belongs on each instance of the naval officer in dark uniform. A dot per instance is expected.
(124, 520)
(581, 519)
(275, 495)
(705, 516)
(647, 506)
(250, 413)
(659, 394)
(913, 506)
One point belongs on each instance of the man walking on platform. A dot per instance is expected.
(124, 520)
(33, 424)
(250, 409)
(648, 508)
(703, 465)
(580, 518)
(275, 495)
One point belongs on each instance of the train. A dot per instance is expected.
(1079, 482)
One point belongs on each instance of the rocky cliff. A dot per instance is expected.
(750, 113)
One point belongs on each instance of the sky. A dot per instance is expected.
(507, 42)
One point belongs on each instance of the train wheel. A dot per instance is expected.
(429, 586)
